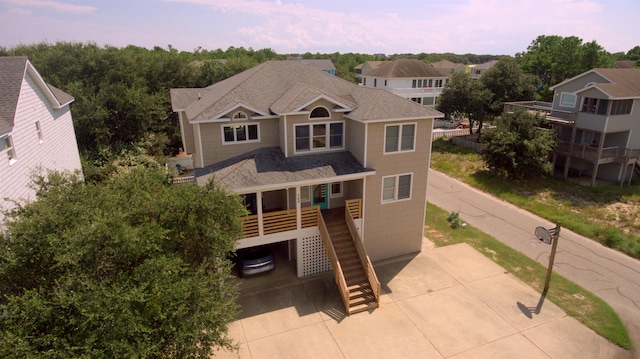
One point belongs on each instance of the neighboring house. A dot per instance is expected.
(625, 64)
(408, 78)
(333, 171)
(363, 69)
(597, 117)
(449, 66)
(326, 65)
(36, 130)
(478, 70)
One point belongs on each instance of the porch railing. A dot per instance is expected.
(590, 153)
(279, 221)
(354, 211)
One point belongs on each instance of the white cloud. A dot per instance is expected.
(58, 6)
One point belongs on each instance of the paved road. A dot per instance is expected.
(611, 275)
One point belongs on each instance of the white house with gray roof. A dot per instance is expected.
(408, 78)
(335, 172)
(36, 130)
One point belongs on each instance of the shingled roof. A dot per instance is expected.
(278, 87)
(621, 83)
(269, 166)
(405, 68)
(12, 72)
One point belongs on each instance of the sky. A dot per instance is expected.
(495, 27)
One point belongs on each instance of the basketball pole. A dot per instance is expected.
(552, 257)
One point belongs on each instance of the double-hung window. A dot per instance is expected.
(396, 188)
(6, 146)
(399, 138)
(319, 136)
(240, 133)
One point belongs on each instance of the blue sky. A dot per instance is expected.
(297, 26)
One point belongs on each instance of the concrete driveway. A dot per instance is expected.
(449, 302)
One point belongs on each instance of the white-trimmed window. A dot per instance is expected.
(336, 189)
(6, 146)
(304, 194)
(396, 188)
(239, 116)
(399, 138)
(319, 136)
(320, 112)
(39, 131)
(568, 99)
(240, 133)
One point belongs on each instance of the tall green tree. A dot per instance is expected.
(465, 97)
(554, 58)
(131, 267)
(518, 146)
(508, 82)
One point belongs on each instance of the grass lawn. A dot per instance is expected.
(573, 299)
(607, 213)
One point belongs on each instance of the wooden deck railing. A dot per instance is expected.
(341, 282)
(279, 221)
(590, 153)
(354, 211)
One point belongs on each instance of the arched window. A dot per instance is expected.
(320, 112)
(239, 116)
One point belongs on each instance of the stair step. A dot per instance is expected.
(364, 292)
(362, 307)
(361, 300)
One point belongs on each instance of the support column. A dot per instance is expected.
(298, 209)
(260, 217)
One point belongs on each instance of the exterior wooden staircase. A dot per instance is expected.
(352, 268)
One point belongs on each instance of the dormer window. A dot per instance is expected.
(239, 116)
(320, 112)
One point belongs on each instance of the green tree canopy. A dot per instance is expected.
(555, 58)
(508, 82)
(519, 146)
(465, 97)
(130, 267)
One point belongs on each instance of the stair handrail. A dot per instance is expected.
(341, 282)
(355, 207)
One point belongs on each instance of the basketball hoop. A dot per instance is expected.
(543, 235)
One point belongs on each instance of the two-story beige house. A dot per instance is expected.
(336, 171)
(36, 131)
(597, 117)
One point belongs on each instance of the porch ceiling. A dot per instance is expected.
(268, 167)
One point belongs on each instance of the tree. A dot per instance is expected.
(465, 97)
(555, 58)
(518, 146)
(127, 268)
(508, 82)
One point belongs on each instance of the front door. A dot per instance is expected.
(320, 196)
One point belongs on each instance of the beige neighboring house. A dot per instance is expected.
(478, 70)
(408, 78)
(362, 69)
(36, 130)
(597, 117)
(332, 172)
(449, 66)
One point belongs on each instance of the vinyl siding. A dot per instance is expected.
(214, 150)
(58, 150)
(396, 228)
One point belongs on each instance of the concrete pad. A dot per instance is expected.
(455, 320)
(325, 295)
(515, 346)
(515, 301)
(568, 338)
(276, 311)
(465, 263)
(385, 333)
(310, 342)
(412, 276)
(241, 353)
